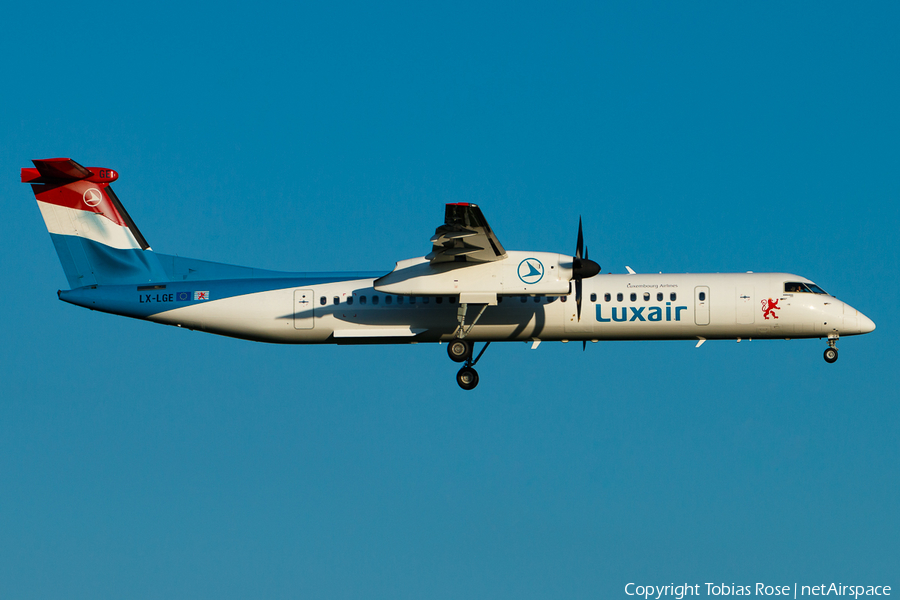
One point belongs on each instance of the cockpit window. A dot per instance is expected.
(816, 289)
(795, 287)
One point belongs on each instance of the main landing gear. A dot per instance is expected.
(460, 349)
(831, 353)
(467, 377)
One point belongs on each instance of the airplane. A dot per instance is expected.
(468, 289)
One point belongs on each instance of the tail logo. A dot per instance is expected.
(92, 197)
(768, 308)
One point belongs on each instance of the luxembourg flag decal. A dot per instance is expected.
(201, 295)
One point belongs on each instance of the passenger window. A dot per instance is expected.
(452, 299)
(659, 297)
(439, 299)
(607, 297)
(388, 299)
(646, 296)
(425, 299)
(537, 299)
(499, 299)
(399, 299)
(412, 299)
(702, 296)
(523, 298)
(672, 296)
(336, 300)
(593, 297)
(374, 299)
(633, 297)
(563, 298)
(350, 300)
(619, 297)
(323, 301)
(362, 299)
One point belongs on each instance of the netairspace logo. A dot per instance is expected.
(760, 589)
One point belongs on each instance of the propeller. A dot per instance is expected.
(582, 268)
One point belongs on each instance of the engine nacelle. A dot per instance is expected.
(534, 273)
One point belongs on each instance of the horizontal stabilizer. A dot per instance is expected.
(61, 168)
(65, 170)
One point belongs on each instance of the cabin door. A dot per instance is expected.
(701, 305)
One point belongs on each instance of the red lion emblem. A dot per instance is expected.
(768, 306)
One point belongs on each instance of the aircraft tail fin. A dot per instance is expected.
(97, 241)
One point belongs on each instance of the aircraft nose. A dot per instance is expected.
(855, 322)
(866, 324)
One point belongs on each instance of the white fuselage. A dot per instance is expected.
(614, 307)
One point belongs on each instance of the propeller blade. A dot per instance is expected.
(580, 243)
(583, 345)
(582, 268)
(578, 298)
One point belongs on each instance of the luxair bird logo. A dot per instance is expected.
(531, 270)
(92, 197)
(768, 306)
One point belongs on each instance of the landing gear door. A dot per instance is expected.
(304, 309)
(701, 305)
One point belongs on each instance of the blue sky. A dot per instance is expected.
(143, 461)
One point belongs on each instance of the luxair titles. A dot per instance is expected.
(620, 314)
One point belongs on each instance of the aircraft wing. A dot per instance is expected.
(465, 237)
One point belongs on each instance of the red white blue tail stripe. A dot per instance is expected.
(96, 239)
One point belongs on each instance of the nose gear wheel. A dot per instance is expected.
(831, 352)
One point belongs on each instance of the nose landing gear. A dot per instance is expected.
(831, 353)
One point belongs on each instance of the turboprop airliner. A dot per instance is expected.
(468, 289)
